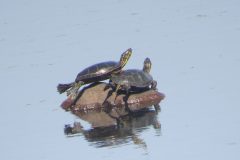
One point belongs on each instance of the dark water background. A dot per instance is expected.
(194, 48)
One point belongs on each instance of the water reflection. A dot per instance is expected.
(106, 133)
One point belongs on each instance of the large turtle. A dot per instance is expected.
(134, 79)
(94, 73)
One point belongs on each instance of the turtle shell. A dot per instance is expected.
(133, 78)
(98, 72)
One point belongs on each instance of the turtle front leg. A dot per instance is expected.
(154, 85)
(116, 92)
(110, 84)
(110, 92)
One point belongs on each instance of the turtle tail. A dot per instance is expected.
(63, 87)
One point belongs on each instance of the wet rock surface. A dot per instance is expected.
(93, 96)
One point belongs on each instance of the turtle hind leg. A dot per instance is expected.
(74, 90)
(61, 88)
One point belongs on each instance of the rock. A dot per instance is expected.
(90, 97)
(93, 96)
(66, 105)
(138, 101)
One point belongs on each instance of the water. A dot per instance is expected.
(194, 49)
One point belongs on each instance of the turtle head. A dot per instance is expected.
(147, 65)
(125, 57)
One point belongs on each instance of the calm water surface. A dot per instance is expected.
(194, 48)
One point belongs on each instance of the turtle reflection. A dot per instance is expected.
(107, 133)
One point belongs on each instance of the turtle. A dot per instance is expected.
(94, 73)
(134, 79)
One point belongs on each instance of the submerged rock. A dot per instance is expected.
(93, 96)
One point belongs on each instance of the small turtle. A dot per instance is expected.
(132, 79)
(94, 73)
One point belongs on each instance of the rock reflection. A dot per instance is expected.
(105, 132)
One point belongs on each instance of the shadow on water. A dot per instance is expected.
(105, 132)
